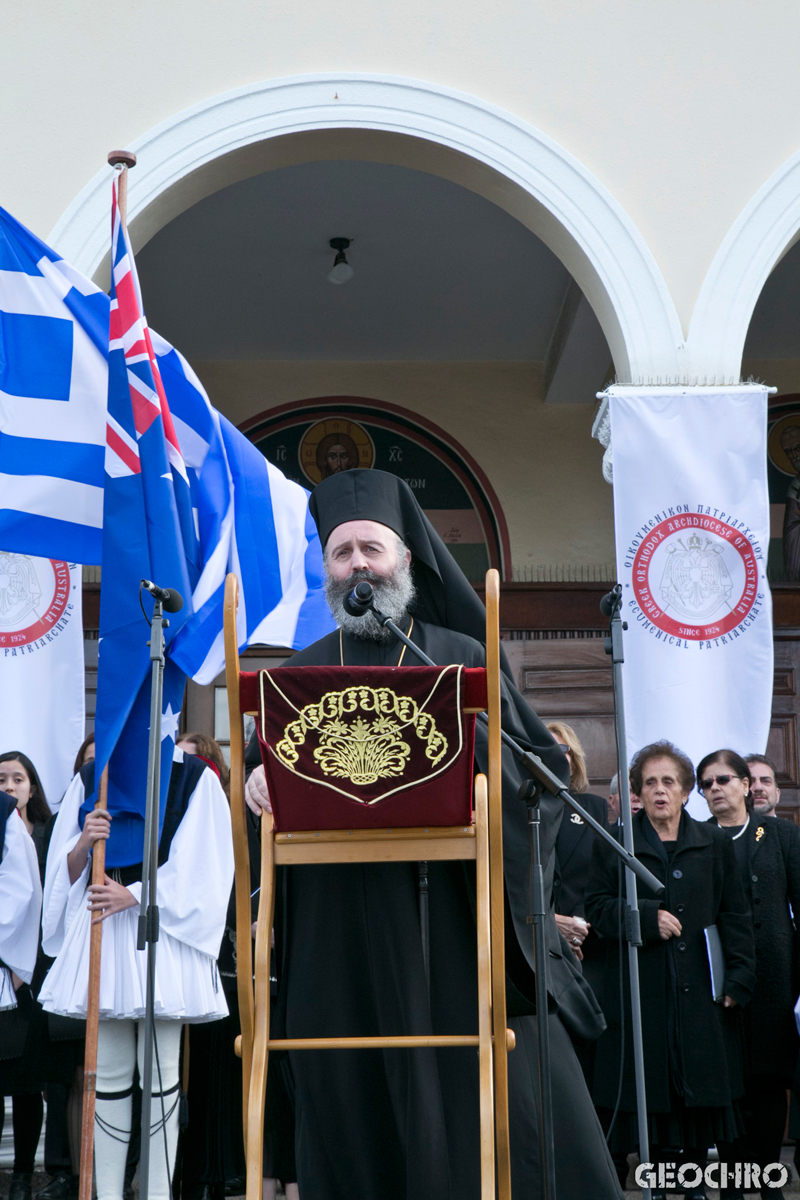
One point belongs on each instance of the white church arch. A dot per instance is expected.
(764, 231)
(275, 123)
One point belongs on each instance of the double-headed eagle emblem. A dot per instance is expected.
(696, 582)
(20, 591)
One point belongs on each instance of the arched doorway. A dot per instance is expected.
(411, 123)
(758, 318)
(312, 439)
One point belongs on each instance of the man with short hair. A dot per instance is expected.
(765, 790)
(403, 1124)
(613, 802)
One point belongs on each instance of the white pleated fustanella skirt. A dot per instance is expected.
(187, 982)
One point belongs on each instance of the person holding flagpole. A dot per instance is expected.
(195, 876)
(183, 512)
(94, 865)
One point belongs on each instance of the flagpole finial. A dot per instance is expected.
(122, 158)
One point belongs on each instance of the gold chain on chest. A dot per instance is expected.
(402, 652)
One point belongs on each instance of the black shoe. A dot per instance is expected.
(60, 1187)
(20, 1188)
(236, 1187)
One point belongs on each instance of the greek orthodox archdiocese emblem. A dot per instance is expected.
(20, 591)
(695, 575)
(366, 742)
(696, 582)
(34, 600)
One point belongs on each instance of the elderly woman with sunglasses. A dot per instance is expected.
(768, 855)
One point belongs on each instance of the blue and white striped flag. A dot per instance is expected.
(54, 329)
(53, 384)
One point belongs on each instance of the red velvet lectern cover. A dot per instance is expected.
(366, 747)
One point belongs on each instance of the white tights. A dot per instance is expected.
(116, 1057)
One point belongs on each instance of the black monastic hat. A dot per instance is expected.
(444, 594)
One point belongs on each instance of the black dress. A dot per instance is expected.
(392, 1125)
(25, 1075)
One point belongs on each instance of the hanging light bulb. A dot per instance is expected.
(341, 271)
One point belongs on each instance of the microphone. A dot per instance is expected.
(171, 600)
(360, 600)
(611, 601)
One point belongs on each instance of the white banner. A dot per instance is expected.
(691, 514)
(41, 665)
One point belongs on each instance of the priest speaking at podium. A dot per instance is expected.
(403, 1124)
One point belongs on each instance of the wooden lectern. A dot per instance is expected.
(289, 836)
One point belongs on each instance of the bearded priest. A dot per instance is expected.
(403, 1124)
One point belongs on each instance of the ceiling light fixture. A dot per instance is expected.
(341, 271)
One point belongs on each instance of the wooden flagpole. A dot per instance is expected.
(92, 1014)
(124, 159)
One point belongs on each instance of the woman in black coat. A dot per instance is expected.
(768, 853)
(574, 854)
(692, 1068)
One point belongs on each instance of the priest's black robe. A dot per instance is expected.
(403, 1125)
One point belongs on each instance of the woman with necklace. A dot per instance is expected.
(691, 1075)
(768, 855)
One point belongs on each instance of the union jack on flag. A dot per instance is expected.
(128, 332)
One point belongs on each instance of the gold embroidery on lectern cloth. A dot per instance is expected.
(361, 733)
(364, 735)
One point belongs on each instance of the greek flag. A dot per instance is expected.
(57, 440)
(53, 383)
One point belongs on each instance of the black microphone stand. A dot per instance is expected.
(148, 907)
(359, 603)
(611, 606)
(530, 761)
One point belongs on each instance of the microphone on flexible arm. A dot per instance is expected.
(361, 600)
(611, 601)
(171, 600)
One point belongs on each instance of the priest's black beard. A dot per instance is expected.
(393, 595)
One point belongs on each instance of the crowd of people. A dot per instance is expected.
(720, 1046)
(718, 1069)
(719, 1064)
